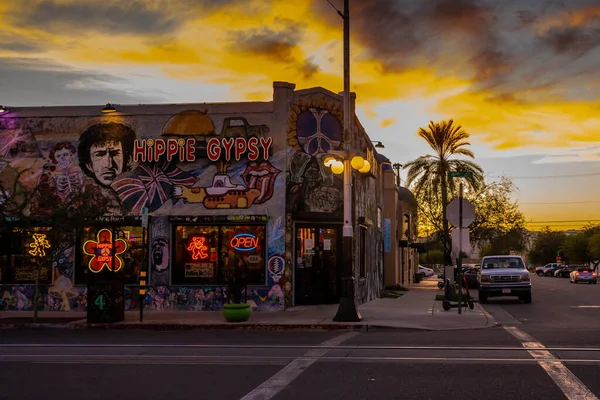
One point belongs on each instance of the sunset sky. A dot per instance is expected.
(521, 76)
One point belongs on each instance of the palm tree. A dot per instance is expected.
(428, 174)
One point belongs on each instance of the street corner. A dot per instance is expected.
(491, 322)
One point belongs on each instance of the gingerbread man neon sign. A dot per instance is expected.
(103, 250)
(39, 245)
(198, 248)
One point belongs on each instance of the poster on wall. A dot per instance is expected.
(326, 244)
(308, 244)
(387, 235)
(199, 270)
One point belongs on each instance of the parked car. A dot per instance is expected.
(541, 270)
(471, 274)
(583, 274)
(552, 269)
(565, 272)
(504, 276)
(426, 271)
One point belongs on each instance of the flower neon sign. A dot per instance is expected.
(39, 245)
(197, 245)
(103, 250)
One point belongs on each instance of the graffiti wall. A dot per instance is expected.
(167, 159)
(315, 194)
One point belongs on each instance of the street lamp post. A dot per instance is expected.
(347, 311)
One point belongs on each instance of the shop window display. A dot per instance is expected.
(107, 250)
(20, 249)
(205, 254)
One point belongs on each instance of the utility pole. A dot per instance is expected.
(347, 311)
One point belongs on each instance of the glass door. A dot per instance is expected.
(317, 274)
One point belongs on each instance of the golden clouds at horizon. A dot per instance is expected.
(247, 46)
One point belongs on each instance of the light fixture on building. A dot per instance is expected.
(3, 109)
(108, 109)
(379, 145)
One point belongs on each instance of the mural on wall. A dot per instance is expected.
(159, 251)
(233, 167)
(314, 128)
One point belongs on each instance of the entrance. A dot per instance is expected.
(317, 266)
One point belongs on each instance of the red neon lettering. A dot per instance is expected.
(159, 149)
(227, 145)
(253, 148)
(190, 150)
(266, 145)
(172, 148)
(240, 147)
(244, 242)
(139, 150)
(213, 149)
(198, 248)
(104, 254)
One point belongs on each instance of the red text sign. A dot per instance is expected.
(151, 150)
(197, 246)
(105, 253)
(234, 148)
(244, 242)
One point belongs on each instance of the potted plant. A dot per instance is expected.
(234, 310)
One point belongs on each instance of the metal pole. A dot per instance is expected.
(347, 311)
(143, 268)
(460, 227)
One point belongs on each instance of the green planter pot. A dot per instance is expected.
(237, 312)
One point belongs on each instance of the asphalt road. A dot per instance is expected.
(506, 362)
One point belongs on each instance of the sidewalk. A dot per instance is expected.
(416, 309)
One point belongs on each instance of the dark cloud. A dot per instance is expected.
(277, 45)
(131, 17)
(575, 40)
(38, 82)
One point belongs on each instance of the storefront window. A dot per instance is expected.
(204, 254)
(20, 249)
(107, 250)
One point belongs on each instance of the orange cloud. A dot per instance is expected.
(387, 123)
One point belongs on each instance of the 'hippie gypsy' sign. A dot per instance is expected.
(236, 147)
(151, 150)
(105, 253)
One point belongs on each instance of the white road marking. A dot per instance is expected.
(568, 383)
(269, 388)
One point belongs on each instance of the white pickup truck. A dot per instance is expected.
(504, 276)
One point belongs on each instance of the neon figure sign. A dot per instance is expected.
(39, 245)
(197, 246)
(244, 242)
(103, 250)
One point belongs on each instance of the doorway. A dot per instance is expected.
(317, 266)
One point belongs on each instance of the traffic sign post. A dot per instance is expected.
(143, 269)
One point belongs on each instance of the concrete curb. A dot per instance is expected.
(488, 316)
(239, 327)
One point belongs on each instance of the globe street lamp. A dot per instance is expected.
(341, 162)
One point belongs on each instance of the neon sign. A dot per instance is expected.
(39, 245)
(244, 242)
(150, 150)
(197, 245)
(104, 252)
(216, 147)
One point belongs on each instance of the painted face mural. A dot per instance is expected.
(160, 254)
(105, 151)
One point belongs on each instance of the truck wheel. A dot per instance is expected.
(527, 298)
(482, 297)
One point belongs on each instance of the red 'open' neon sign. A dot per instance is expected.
(244, 242)
(197, 246)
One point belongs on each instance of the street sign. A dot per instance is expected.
(468, 213)
(460, 174)
(145, 217)
(464, 242)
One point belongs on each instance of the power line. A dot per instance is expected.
(563, 221)
(551, 176)
(565, 202)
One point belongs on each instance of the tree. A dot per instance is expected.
(499, 225)
(65, 216)
(575, 248)
(594, 249)
(546, 246)
(428, 174)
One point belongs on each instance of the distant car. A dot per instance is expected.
(426, 271)
(565, 272)
(504, 276)
(541, 270)
(583, 274)
(551, 270)
(471, 274)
